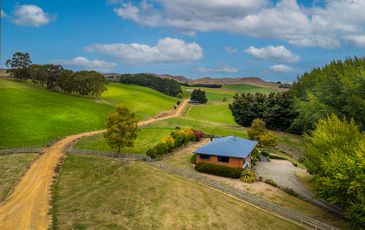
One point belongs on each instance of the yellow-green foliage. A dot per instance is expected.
(248, 176)
(122, 128)
(336, 156)
(268, 139)
(258, 132)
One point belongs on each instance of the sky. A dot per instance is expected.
(277, 40)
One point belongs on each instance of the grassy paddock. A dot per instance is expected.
(244, 88)
(147, 138)
(12, 167)
(33, 116)
(101, 193)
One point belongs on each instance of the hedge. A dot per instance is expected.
(219, 170)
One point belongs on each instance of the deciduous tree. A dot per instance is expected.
(122, 127)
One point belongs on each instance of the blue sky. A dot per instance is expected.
(274, 40)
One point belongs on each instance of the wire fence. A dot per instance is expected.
(245, 196)
(107, 154)
(21, 150)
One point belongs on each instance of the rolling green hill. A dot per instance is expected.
(33, 116)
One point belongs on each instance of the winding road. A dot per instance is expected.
(29, 205)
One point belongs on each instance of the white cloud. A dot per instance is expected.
(279, 53)
(31, 15)
(357, 40)
(84, 63)
(281, 68)
(231, 50)
(221, 69)
(324, 25)
(165, 51)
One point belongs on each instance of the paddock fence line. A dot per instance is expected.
(4, 152)
(107, 154)
(247, 197)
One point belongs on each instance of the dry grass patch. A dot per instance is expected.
(100, 193)
(12, 168)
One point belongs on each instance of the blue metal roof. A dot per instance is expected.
(230, 146)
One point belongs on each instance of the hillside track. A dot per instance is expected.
(29, 204)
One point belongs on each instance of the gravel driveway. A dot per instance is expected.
(283, 173)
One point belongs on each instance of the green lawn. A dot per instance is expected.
(33, 116)
(147, 138)
(244, 88)
(102, 193)
(12, 167)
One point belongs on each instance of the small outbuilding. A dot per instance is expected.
(230, 151)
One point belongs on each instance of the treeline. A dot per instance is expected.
(214, 86)
(275, 109)
(56, 78)
(169, 87)
(338, 88)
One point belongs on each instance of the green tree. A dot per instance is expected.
(19, 64)
(335, 155)
(122, 127)
(199, 96)
(258, 128)
(268, 139)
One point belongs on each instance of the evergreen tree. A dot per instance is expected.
(199, 96)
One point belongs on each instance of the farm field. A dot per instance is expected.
(33, 116)
(12, 167)
(244, 88)
(104, 193)
(147, 138)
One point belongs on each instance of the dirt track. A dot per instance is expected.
(29, 204)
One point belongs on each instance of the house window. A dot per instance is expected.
(223, 159)
(204, 157)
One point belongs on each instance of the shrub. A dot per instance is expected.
(271, 182)
(219, 170)
(265, 153)
(255, 156)
(193, 159)
(268, 139)
(260, 178)
(248, 176)
(258, 127)
(290, 191)
(295, 164)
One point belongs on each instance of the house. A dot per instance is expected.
(230, 151)
(194, 102)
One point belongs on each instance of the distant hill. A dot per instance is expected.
(3, 73)
(256, 81)
(225, 81)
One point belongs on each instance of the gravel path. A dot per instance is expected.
(283, 173)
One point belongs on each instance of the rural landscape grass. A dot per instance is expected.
(100, 193)
(12, 167)
(41, 116)
(245, 88)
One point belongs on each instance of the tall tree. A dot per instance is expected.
(199, 96)
(122, 127)
(335, 155)
(19, 64)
